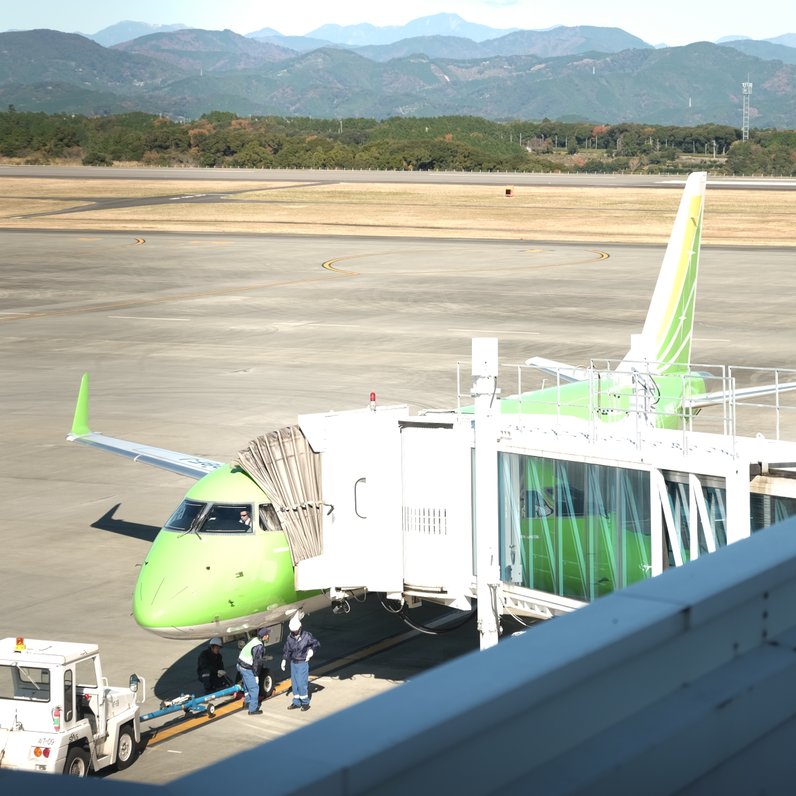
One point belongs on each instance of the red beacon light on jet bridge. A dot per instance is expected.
(373, 402)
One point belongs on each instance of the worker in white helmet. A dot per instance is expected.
(300, 646)
(210, 667)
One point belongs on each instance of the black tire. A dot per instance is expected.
(78, 761)
(266, 684)
(211, 711)
(126, 749)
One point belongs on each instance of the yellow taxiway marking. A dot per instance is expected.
(192, 722)
(331, 265)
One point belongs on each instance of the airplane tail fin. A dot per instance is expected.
(665, 340)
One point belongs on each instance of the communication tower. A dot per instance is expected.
(747, 92)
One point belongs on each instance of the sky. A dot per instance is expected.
(673, 22)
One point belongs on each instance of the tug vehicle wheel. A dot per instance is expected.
(126, 751)
(77, 762)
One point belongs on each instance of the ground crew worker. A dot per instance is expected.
(300, 646)
(250, 664)
(210, 667)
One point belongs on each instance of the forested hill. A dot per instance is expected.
(188, 73)
(449, 143)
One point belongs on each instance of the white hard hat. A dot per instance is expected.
(215, 640)
(294, 623)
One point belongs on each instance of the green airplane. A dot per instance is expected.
(222, 563)
(235, 572)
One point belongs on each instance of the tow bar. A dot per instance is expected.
(191, 704)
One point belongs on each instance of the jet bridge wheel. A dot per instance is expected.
(77, 762)
(126, 750)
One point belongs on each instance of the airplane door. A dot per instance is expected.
(361, 488)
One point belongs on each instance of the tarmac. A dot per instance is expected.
(201, 342)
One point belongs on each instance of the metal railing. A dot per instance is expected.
(628, 392)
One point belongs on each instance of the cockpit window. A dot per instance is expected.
(269, 519)
(222, 518)
(228, 519)
(185, 515)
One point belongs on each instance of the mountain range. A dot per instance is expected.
(365, 34)
(433, 66)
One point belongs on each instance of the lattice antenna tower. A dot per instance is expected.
(747, 92)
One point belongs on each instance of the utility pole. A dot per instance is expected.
(486, 398)
(747, 93)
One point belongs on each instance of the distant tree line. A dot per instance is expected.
(445, 143)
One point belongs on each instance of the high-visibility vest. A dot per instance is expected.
(247, 653)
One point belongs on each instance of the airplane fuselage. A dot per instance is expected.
(614, 397)
(208, 573)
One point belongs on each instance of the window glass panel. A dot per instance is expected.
(767, 510)
(228, 519)
(570, 528)
(27, 683)
(269, 519)
(678, 489)
(69, 695)
(716, 504)
(86, 673)
(7, 681)
(186, 514)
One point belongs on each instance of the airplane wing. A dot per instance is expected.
(720, 396)
(173, 461)
(560, 370)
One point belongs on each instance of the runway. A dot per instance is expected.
(201, 342)
(582, 180)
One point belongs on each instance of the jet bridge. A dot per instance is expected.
(532, 515)
(399, 518)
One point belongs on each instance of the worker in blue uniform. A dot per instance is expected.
(250, 665)
(300, 646)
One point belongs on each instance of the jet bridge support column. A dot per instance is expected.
(485, 394)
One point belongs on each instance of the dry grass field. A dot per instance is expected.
(745, 217)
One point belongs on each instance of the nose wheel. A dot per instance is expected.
(266, 684)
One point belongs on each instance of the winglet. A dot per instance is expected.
(80, 421)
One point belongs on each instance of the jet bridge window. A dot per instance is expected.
(767, 510)
(28, 683)
(574, 529)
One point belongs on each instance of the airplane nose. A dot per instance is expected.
(165, 599)
(162, 602)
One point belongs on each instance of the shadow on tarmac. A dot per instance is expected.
(135, 530)
(368, 641)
